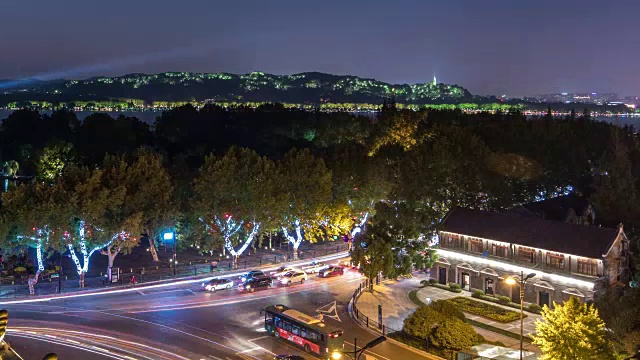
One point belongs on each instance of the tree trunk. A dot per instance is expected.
(82, 279)
(152, 247)
(32, 282)
(295, 250)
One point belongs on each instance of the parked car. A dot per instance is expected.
(283, 270)
(292, 277)
(252, 274)
(331, 271)
(314, 267)
(217, 284)
(255, 283)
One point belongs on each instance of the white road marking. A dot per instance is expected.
(370, 352)
(259, 338)
(249, 350)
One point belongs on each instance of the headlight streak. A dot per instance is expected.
(91, 340)
(159, 286)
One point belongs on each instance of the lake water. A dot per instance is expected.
(147, 116)
(150, 116)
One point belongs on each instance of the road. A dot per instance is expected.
(181, 322)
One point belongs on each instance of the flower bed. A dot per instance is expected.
(485, 310)
(504, 300)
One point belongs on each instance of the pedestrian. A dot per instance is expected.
(133, 279)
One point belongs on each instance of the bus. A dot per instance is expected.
(306, 331)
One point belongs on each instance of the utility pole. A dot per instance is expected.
(175, 256)
(60, 275)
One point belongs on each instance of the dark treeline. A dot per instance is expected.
(229, 178)
(440, 158)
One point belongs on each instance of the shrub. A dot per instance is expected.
(432, 281)
(478, 294)
(454, 335)
(534, 308)
(19, 269)
(454, 286)
(446, 287)
(488, 311)
(448, 309)
(504, 300)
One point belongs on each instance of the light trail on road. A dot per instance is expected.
(163, 285)
(105, 345)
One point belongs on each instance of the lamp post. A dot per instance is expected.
(512, 281)
(171, 236)
(358, 352)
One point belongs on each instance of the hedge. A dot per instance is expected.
(497, 330)
(413, 296)
(447, 287)
(488, 311)
(532, 308)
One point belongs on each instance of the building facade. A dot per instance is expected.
(479, 249)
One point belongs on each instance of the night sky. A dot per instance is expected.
(512, 47)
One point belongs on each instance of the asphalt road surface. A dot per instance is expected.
(182, 322)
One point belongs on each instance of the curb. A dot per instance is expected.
(395, 342)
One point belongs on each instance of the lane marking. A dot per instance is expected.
(370, 352)
(249, 350)
(259, 338)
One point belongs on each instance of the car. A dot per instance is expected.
(283, 270)
(252, 274)
(288, 357)
(255, 283)
(217, 284)
(344, 263)
(314, 267)
(293, 276)
(331, 271)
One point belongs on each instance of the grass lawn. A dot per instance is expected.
(485, 310)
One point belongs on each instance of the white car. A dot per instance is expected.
(283, 270)
(315, 267)
(217, 284)
(292, 277)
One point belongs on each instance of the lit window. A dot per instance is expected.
(475, 245)
(588, 266)
(555, 261)
(500, 250)
(527, 255)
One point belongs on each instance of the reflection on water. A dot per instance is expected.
(146, 116)
(150, 116)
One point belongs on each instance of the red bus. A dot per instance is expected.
(306, 331)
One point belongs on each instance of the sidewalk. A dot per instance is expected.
(190, 263)
(396, 306)
(393, 296)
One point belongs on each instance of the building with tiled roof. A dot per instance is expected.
(479, 249)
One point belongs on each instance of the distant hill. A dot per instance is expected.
(311, 87)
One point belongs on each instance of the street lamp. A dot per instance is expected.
(523, 280)
(167, 237)
(357, 353)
